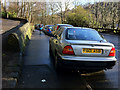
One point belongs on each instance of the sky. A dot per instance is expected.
(72, 2)
(81, 1)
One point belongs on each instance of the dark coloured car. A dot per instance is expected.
(48, 29)
(39, 26)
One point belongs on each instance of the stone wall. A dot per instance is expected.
(18, 39)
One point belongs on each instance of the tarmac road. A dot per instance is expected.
(38, 71)
(109, 78)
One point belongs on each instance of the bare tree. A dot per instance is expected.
(54, 8)
(61, 11)
(67, 4)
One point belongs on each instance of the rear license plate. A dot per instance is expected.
(86, 50)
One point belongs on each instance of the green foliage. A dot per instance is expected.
(3, 14)
(12, 14)
(106, 14)
(79, 17)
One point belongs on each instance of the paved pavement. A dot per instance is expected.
(38, 70)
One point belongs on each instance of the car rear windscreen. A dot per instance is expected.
(83, 34)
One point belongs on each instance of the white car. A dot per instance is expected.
(82, 49)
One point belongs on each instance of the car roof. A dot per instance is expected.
(79, 28)
(49, 25)
(62, 24)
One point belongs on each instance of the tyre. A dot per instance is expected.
(50, 51)
(57, 63)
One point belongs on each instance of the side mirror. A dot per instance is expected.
(55, 36)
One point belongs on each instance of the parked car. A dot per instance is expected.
(81, 49)
(39, 26)
(57, 26)
(48, 29)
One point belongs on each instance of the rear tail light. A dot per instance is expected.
(112, 52)
(68, 50)
(57, 27)
(47, 30)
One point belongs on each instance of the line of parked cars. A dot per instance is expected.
(79, 48)
(50, 29)
(39, 26)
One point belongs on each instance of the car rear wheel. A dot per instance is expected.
(50, 51)
(57, 63)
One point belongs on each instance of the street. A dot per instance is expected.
(38, 71)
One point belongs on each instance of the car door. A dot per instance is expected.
(52, 41)
(55, 41)
(59, 41)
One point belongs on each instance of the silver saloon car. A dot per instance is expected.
(82, 49)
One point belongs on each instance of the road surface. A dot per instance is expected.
(38, 71)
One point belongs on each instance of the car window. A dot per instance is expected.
(83, 34)
(60, 32)
(54, 27)
(51, 28)
(46, 26)
(56, 32)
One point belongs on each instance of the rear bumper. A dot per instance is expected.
(76, 58)
(87, 63)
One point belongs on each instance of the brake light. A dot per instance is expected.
(112, 52)
(57, 27)
(68, 50)
(47, 30)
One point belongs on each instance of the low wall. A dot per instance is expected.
(13, 42)
(116, 31)
(19, 38)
